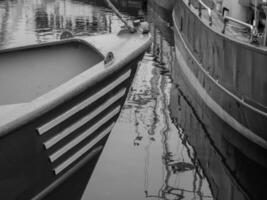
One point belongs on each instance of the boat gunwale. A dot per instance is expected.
(76, 85)
(51, 44)
(260, 49)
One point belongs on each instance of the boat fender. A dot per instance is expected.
(109, 58)
(144, 27)
(66, 34)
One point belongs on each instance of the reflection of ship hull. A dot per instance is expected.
(164, 4)
(230, 173)
(248, 120)
(52, 140)
(165, 12)
(131, 7)
(159, 19)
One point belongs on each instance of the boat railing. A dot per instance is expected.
(201, 5)
(253, 32)
(226, 19)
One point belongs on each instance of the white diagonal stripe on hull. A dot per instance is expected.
(79, 153)
(43, 129)
(84, 135)
(83, 120)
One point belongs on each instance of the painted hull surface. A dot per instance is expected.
(225, 76)
(53, 135)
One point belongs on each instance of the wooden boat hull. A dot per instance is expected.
(207, 76)
(58, 137)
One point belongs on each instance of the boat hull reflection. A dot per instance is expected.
(162, 21)
(162, 8)
(231, 173)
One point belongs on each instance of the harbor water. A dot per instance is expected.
(159, 148)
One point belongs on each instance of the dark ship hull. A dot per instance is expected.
(225, 76)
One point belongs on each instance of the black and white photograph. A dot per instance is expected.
(133, 99)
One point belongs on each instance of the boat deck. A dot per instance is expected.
(232, 30)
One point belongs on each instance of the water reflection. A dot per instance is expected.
(34, 21)
(148, 138)
(177, 159)
(231, 174)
